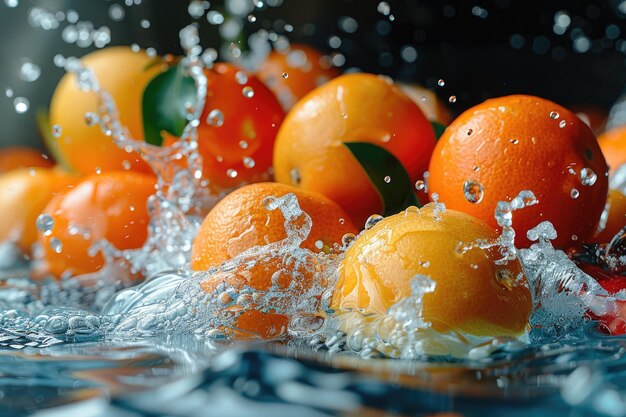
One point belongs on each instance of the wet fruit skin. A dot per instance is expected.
(292, 73)
(111, 206)
(240, 221)
(309, 151)
(472, 294)
(16, 157)
(239, 150)
(23, 195)
(613, 144)
(512, 143)
(616, 220)
(85, 149)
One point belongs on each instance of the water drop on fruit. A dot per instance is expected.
(372, 221)
(248, 92)
(45, 224)
(588, 177)
(554, 115)
(215, 118)
(574, 193)
(56, 245)
(473, 191)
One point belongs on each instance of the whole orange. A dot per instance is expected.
(238, 127)
(505, 145)
(240, 221)
(472, 293)
(15, 157)
(613, 145)
(23, 195)
(111, 206)
(84, 148)
(309, 151)
(293, 72)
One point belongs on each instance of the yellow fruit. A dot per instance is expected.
(472, 293)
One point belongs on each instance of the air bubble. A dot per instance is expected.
(248, 92)
(45, 224)
(473, 191)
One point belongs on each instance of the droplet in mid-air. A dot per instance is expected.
(441, 82)
(29, 71)
(420, 185)
(452, 99)
(21, 105)
(473, 191)
(387, 179)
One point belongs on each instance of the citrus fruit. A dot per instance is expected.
(23, 195)
(431, 106)
(20, 157)
(594, 117)
(505, 145)
(124, 74)
(616, 219)
(613, 145)
(240, 221)
(309, 151)
(238, 127)
(111, 206)
(293, 72)
(472, 293)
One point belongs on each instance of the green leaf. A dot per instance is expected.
(438, 128)
(164, 105)
(378, 163)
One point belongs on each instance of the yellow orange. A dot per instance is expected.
(15, 157)
(472, 293)
(431, 105)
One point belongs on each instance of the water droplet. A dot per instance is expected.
(319, 244)
(215, 118)
(8, 92)
(295, 176)
(285, 75)
(588, 177)
(372, 221)
(29, 72)
(473, 191)
(387, 179)
(476, 168)
(248, 162)
(554, 115)
(251, 18)
(574, 193)
(241, 77)
(117, 13)
(562, 124)
(420, 185)
(574, 237)
(347, 239)
(12, 3)
(452, 99)
(514, 141)
(91, 119)
(258, 3)
(145, 23)
(383, 8)
(56, 245)
(21, 105)
(231, 173)
(56, 131)
(441, 82)
(45, 224)
(342, 221)
(248, 92)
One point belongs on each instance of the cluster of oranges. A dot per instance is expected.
(290, 122)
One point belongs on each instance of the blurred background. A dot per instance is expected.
(573, 52)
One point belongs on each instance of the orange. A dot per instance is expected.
(594, 116)
(237, 145)
(514, 143)
(431, 105)
(23, 195)
(240, 221)
(15, 157)
(292, 73)
(85, 149)
(472, 294)
(309, 151)
(616, 219)
(613, 144)
(111, 206)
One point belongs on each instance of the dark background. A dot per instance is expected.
(480, 48)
